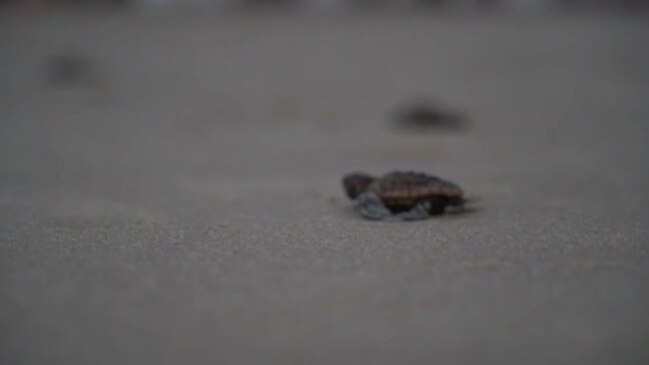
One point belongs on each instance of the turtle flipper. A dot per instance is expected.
(421, 210)
(371, 207)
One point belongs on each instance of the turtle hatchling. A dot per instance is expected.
(404, 195)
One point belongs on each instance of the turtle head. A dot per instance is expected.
(356, 183)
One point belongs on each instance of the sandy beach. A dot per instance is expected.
(178, 199)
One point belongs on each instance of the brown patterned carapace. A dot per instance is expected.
(417, 195)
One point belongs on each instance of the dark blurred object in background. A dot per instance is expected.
(69, 68)
(423, 116)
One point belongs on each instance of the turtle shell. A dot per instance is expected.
(400, 191)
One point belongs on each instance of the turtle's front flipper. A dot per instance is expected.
(371, 207)
(420, 211)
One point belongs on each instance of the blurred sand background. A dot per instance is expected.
(177, 200)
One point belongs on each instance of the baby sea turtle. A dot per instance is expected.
(405, 195)
(422, 116)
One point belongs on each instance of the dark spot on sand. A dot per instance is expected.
(68, 68)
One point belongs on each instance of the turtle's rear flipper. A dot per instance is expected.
(460, 202)
(421, 210)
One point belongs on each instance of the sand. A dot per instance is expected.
(178, 201)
